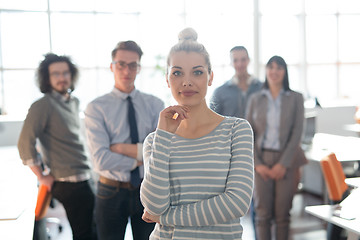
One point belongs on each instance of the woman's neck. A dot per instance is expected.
(197, 116)
(201, 121)
(275, 91)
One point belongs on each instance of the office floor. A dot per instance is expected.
(303, 225)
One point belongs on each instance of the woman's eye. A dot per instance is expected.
(198, 72)
(177, 73)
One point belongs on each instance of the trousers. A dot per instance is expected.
(114, 206)
(273, 201)
(78, 201)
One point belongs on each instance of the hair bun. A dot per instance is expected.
(188, 34)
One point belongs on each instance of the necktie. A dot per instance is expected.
(134, 174)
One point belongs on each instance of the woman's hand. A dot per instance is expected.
(171, 117)
(147, 217)
(263, 171)
(278, 171)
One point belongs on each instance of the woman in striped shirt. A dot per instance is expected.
(198, 165)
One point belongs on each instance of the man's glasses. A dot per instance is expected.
(65, 74)
(133, 66)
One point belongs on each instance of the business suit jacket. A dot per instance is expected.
(291, 126)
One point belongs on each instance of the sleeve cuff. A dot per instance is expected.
(139, 155)
(135, 165)
(32, 162)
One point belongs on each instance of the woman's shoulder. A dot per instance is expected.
(234, 122)
(158, 133)
(295, 93)
(150, 137)
(297, 96)
(257, 95)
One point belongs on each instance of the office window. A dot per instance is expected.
(22, 44)
(349, 50)
(26, 5)
(350, 81)
(280, 36)
(21, 90)
(321, 39)
(321, 80)
(69, 5)
(313, 37)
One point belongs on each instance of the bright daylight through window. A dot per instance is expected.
(316, 38)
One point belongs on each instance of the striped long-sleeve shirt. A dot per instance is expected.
(199, 187)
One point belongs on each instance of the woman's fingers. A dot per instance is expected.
(176, 112)
(146, 217)
(171, 117)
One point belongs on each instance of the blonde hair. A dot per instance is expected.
(188, 43)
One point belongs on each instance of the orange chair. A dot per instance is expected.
(334, 177)
(43, 202)
(336, 187)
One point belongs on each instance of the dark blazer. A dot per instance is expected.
(291, 126)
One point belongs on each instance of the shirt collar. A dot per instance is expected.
(123, 95)
(60, 97)
(250, 80)
(266, 92)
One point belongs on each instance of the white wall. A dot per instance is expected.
(9, 131)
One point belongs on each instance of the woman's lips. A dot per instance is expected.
(188, 93)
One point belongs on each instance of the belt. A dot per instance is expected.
(116, 184)
(270, 150)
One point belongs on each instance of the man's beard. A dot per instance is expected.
(63, 92)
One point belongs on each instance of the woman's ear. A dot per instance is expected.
(211, 78)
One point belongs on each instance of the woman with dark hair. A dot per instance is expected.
(276, 114)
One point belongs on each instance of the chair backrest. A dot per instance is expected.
(43, 202)
(334, 177)
(337, 168)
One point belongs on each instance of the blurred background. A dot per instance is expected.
(318, 39)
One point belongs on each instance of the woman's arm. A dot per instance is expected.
(155, 188)
(287, 156)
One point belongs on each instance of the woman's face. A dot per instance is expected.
(275, 74)
(188, 78)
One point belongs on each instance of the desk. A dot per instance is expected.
(18, 188)
(325, 212)
(345, 148)
(353, 182)
(353, 128)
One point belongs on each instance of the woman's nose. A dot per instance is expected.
(187, 82)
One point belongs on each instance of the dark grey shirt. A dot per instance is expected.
(56, 124)
(230, 100)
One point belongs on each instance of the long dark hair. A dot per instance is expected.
(281, 62)
(42, 73)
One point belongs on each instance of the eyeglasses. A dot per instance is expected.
(65, 74)
(133, 66)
